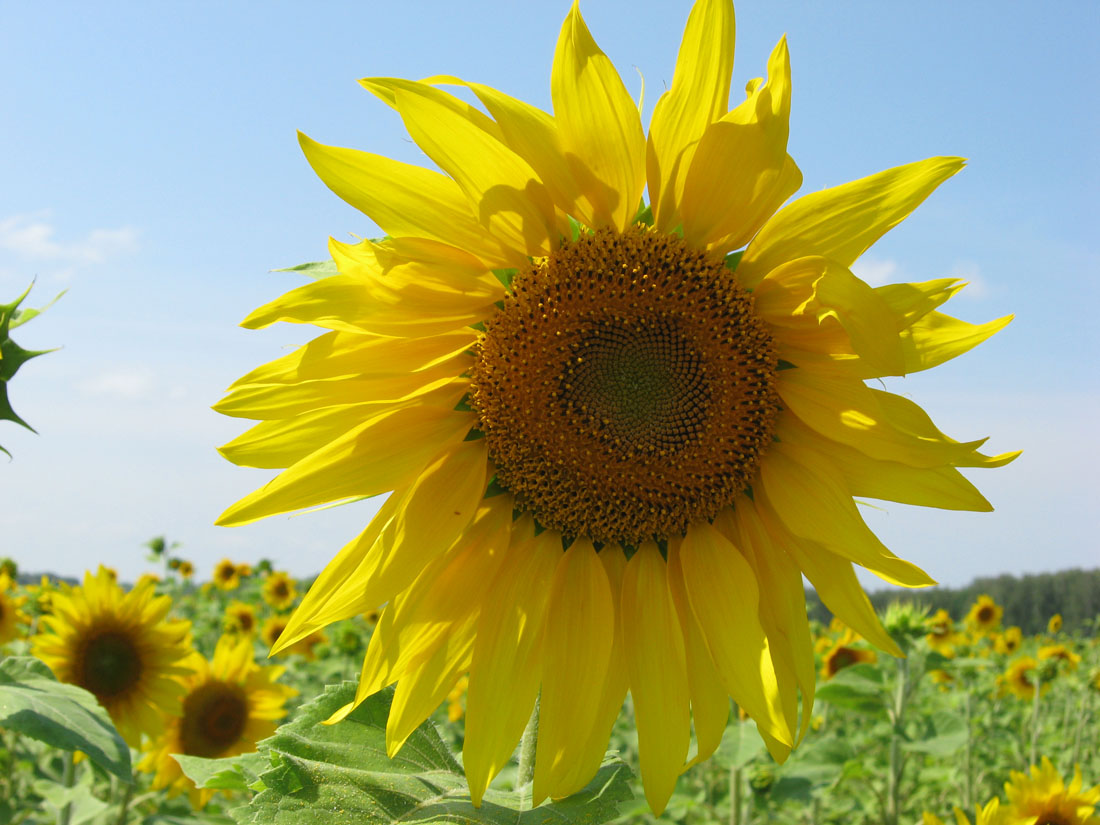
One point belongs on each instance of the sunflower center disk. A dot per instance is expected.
(109, 665)
(214, 717)
(626, 388)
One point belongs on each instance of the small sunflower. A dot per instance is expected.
(1062, 654)
(1043, 798)
(229, 704)
(279, 590)
(984, 616)
(1009, 641)
(671, 396)
(120, 647)
(843, 654)
(226, 576)
(273, 628)
(991, 814)
(941, 635)
(244, 570)
(12, 617)
(240, 618)
(1055, 623)
(185, 569)
(1021, 676)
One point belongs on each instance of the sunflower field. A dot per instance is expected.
(156, 703)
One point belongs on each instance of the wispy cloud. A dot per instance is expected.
(32, 238)
(877, 271)
(132, 383)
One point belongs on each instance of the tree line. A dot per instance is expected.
(1028, 601)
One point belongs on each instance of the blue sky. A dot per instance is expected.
(150, 166)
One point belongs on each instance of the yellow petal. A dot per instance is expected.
(445, 597)
(783, 612)
(713, 569)
(912, 301)
(533, 135)
(699, 95)
(420, 692)
(847, 410)
(601, 133)
(710, 704)
(741, 173)
(404, 200)
(505, 673)
(504, 192)
(842, 222)
(381, 454)
(576, 655)
(908, 417)
(282, 441)
(340, 355)
(314, 611)
(610, 702)
(385, 88)
(866, 477)
(833, 579)
(937, 338)
(814, 291)
(810, 499)
(657, 669)
(272, 401)
(432, 515)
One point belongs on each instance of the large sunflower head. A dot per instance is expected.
(229, 703)
(606, 381)
(120, 647)
(12, 616)
(1041, 797)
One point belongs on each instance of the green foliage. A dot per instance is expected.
(336, 774)
(35, 704)
(13, 356)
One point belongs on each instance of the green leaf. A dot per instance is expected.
(313, 269)
(84, 805)
(821, 761)
(232, 773)
(65, 716)
(740, 745)
(337, 774)
(943, 733)
(859, 688)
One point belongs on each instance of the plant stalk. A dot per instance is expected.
(66, 812)
(897, 765)
(1035, 705)
(127, 795)
(527, 747)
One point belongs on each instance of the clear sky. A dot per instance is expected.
(149, 165)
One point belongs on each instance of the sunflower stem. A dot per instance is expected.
(968, 772)
(527, 746)
(1035, 706)
(127, 795)
(66, 811)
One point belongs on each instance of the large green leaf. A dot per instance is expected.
(941, 734)
(34, 703)
(337, 774)
(859, 688)
(231, 773)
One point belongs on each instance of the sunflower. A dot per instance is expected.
(185, 569)
(991, 814)
(229, 704)
(273, 628)
(1043, 798)
(671, 398)
(984, 616)
(843, 654)
(226, 576)
(1061, 653)
(1009, 641)
(279, 590)
(1020, 678)
(120, 647)
(240, 617)
(244, 570)
(941, 636)
(1055, 623)
(11, 613)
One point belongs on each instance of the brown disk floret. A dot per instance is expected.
(626, 389)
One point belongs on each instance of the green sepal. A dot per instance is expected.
(494, 488)
(785, 365)
(644, 215)
(733, 259)
(13, 356)
(505, 276)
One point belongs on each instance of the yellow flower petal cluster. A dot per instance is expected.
(990, 814)
(1009, 641)
(1042, 796)
(984, 616)
(12, 616)
(1021, 677)
(229, 703)
(226, 575)
(279, 590)
(595, 422)
(844, 653)
(120, 647)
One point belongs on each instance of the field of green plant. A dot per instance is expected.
(889, 741)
